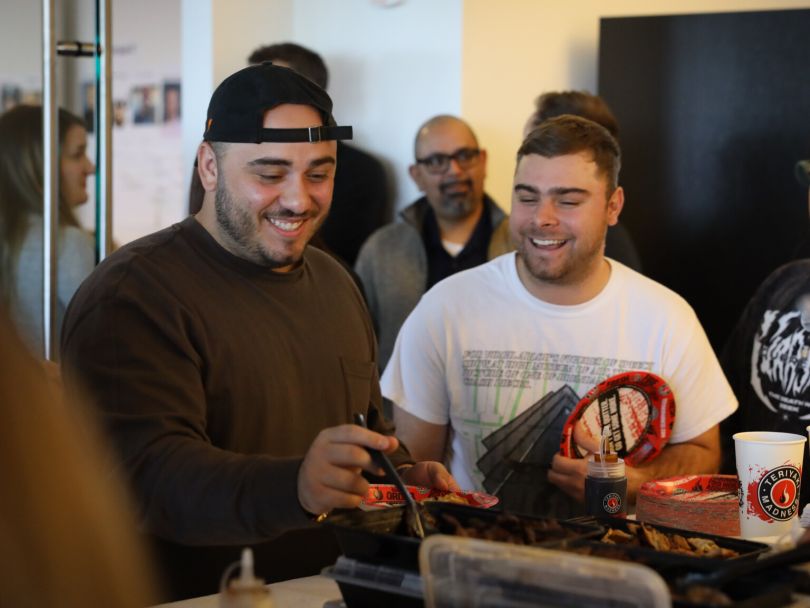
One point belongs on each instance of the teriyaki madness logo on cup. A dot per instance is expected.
(778, 492)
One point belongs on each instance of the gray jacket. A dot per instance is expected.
(393, 266)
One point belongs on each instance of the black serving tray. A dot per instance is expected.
(763, 590)
(380, 537)
(760, 591)
(660, 560)
(366, 585)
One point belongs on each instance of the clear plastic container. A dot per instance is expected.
(363, 584)
(472, 573)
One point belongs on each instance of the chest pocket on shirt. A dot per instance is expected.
(357, 376)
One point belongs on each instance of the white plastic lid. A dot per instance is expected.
(605, 469)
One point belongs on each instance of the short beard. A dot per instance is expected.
(541, 272)
(453, 209)
(456, 207)
(242, 231)
(574, 269)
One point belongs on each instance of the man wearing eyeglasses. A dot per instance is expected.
(453, 227)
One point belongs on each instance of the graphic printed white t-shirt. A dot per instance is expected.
(479, 349)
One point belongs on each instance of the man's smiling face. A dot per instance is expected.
(271, 198)
(560, 214)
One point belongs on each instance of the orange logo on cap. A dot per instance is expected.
(210, 122)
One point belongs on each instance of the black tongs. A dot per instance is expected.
(381, 460)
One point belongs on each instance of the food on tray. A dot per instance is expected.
(643, 535)
(450, 497)
(703, 596)
(618, 537)
(708, 548)
(504, 527)
(604, 551)
(426, 517)
(508, 528)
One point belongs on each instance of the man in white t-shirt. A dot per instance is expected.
(492, 360)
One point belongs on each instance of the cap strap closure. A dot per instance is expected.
(306, 134)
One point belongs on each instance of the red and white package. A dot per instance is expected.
(380, 496)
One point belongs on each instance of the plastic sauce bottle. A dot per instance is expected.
(246, 591)
(606, 483)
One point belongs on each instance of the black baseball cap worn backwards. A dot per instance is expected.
(237, 107)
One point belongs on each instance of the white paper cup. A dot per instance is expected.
(769, 467)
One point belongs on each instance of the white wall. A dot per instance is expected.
(20, 50)
(517, 49)
(242, 25)
(197, 69)
(217, 37)
(390, 68)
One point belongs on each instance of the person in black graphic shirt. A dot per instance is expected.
(767, 357)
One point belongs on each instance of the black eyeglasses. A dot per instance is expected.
(438, 163)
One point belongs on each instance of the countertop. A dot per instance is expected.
(308, 592)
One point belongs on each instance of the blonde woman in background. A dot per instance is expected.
(21, 196)
(67, 537)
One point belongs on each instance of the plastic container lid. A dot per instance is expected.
(605, 469)
(374, 577)
(471, 572)
(605, 464)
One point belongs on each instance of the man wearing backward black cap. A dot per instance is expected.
(767, 357)
(227, 358)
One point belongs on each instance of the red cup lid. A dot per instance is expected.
(638, 410)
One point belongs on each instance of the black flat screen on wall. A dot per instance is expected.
(714, 112)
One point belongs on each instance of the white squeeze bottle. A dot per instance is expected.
(246, 591)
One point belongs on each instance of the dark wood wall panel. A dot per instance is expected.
(714, 111)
